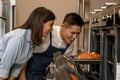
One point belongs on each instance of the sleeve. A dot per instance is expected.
(12, 49)
(15, 70)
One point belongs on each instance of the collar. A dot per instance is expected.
(59, 37)
(28, 35)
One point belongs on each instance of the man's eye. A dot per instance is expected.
(78, 33)
(73, 32)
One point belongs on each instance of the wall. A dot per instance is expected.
(59, 7)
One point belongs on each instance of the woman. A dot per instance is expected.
(59, 39)
(16, 47)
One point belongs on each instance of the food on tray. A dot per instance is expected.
(89, 55)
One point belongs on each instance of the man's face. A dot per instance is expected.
(69, 34)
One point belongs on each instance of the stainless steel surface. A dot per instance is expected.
(7, 16)
(2, 27)
(4, 16)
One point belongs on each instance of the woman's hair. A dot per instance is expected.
(73, 19)
(35, 22)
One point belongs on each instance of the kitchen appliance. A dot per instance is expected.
(7, 10)
(105, 40)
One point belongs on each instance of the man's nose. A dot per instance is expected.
(75, 36)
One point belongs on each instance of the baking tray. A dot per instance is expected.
(86, 61)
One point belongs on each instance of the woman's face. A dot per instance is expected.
(47, 27)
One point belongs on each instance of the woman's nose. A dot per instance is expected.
(51, 28)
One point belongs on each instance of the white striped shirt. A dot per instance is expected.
(15, 50)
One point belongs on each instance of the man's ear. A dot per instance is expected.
(63, 26)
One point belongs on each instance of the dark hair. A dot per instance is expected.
(35, 22)
(73, 19)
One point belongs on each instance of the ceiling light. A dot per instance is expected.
(92, 12)
(103, 7)
(110, 3)
(96, 10)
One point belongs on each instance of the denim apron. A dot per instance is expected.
(37, 65)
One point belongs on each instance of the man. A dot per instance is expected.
(60, 39)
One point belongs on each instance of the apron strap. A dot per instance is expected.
(50, 38)
(66, 47)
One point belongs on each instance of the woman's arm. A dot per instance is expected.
(11, 50)
(22, 75)
(2, 78)
(11, 77)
